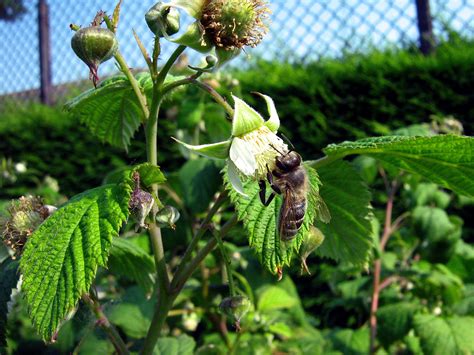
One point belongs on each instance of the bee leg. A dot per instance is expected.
(275, 188)
(262, 193)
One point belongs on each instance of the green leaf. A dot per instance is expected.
(394, 321)
(261, 223)
(61, 257)
(181, 345)
(133, 314)
(149, 174)
(8, 280)
(129, 260)
(274, 297)
(440, 336)
(112, 111)
(447, 160)
(348, 236)
(351, 342)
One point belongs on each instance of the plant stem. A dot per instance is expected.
(227, 264)
(133, 82)
(202, 229)
(219, 99)
(169, 63)
(165, 302)
(180, 279)
(159, 255)
(387, 232)
(105, 324)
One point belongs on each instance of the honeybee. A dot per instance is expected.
(290, 179)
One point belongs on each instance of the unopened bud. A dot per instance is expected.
(312, 240)
(235, 307)
(211, 60)
(162, 20)
(94, 45)
(167, 217)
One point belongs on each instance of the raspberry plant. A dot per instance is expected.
(61, 257)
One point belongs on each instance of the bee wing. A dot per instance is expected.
(286, 211)
(322, 211)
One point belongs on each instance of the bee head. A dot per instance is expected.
(289, 161)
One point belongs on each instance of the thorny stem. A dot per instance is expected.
(377, 287)
(105, 324)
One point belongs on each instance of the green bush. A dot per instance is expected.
(318, 103)
(365, 95)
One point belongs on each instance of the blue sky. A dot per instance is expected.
(304, 28)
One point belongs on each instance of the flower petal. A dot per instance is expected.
(234, 178)
(192, 7)
(245, 119)
(243, 157)
(194, 38)
(273, 123)
(218, 150)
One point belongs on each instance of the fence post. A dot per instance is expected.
(44, 53)
(425, 26)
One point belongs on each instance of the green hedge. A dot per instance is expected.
(319, 103)
(359, 96)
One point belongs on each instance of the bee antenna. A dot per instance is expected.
(271, 145)
(287, 141)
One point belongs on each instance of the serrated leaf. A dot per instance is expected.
(112, 111)
(348, 236)
(61, 257)
(261, 223)
(129, 260)
(150, 174)
(394, 321)
(8, 281)
(181, 345)
(440, 336)
(447, 160)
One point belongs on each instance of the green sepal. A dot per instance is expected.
(224, 56)
(192, 7)
(273, 123)
(218, 150)
(245, 119)
(194, 38)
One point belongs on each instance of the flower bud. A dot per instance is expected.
(162, 20)
(211, 60)
(26, 214)
(94, 45)
(167, 217)
(312, 240)
(235, 307)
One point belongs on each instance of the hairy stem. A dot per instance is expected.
(104, 323)
(169, 63)
(133, 82)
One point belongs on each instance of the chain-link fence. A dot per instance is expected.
(300, 30)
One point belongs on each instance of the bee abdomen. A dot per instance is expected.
(293, 225)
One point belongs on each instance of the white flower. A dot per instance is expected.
(253, 146)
